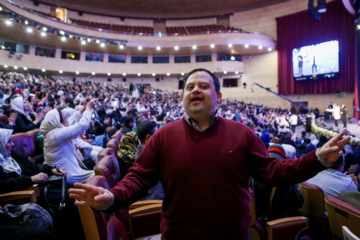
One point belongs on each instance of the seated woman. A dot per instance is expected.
(17, 173)
(59, 146)
(24, 122)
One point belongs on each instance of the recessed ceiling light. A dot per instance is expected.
(225, 72)
(260, 47)
(139, 74)
(89, 39)
(15, 67)
(43, 34)
(212, 45)
(0, 8)
(5, 66)
(43, 70)
(8, 22)
(194, 47)
(93, 73)
(232, 58)
(269, 49)
(63, 38)
(121, 46)
(230, 45)
(109, 74)
(77, 72)
(168, 74)
(158, 48)
(153, 74)
(236, 72)
(246, 45)
(83, 42)
(25, 68)
(182, 74)
(176, 48)
(26, 22)
(102, 45)
(140, 48)
(44, 29)
(2, 47)
(97, 41)
(124, 74)
(29, 30)
(61, 71)
(62, 32)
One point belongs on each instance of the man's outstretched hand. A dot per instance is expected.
(332, 150)
(89, 196)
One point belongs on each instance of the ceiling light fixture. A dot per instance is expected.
(230, 45)
(43, 70)
(43, 34)
(176, 48)
(140, 48)
(29, 30)
(260, 47)
(77, 72)
(139, 74)
(25, 68)
(269, 49)
(153, 74)
(194, 47)
(158, 48)
(246, 45)
(212, 45)
(121, 46)
(63, 38)
(61, 71)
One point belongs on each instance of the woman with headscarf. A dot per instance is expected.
(59, 146)
(24, 122)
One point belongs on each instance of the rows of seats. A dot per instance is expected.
(134, 30)
(202, 29)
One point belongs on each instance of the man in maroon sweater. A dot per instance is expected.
(204, 163)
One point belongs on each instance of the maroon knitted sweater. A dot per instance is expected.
(205, 178)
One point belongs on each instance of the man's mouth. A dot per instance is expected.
(196, 99)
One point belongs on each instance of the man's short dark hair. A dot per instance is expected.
(144, 128)
(214, 77)
(129, 119)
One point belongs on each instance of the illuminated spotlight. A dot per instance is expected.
(2, 47)
(61, 71)
(44, 29)
(102, 45)
(140, 48)
(15, 67)
(0, 8)
(158, 48)
(176, 48)
(8, 22)
(246, 45)
(93, 73)
(63, 38)
(182, 74)
(236, 72)
(212, 45)
(260, 47)
(26, 22)
(43, 34)
(225, 72)
(97, 41)
(83, 42)
(77, 72)
(89, 39)
(232, 58)
(269, 49)
(43, 70)
(194, 47)
(121, 46)
(230, 45)
(109, 74)
(358, 27)
(62, 32)
(168, 74)
(153, 74)
(124, 74)
(139, 74)
(25, 68)
(5, 66)
(29, 30)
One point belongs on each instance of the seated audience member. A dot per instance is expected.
(130, 121)
(265, 139)
(322, 141)
(18, 173)
(24, 122)
(351, 197)
(11, 121)
(286, 139)
(126, 155)
(145, 129)
(314, 140)
(332, 180)
(59, 146)
(286, 200)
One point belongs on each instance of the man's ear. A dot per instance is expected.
(219, 95)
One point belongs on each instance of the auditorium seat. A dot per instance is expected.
(113, 144)
(314, 209)
(4, 119)
(101, 225)
(342, 214)
(26, 143)
(105, 152)
(348, 235)
(108, 167)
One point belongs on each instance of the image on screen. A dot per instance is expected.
(319, 61)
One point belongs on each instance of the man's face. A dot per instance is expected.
(200, 97)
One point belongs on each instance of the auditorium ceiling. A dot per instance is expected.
(161, 9)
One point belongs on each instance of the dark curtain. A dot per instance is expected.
(302, 29)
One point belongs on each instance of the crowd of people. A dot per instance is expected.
(77, 117)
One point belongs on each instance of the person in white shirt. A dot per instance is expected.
(293, 121)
